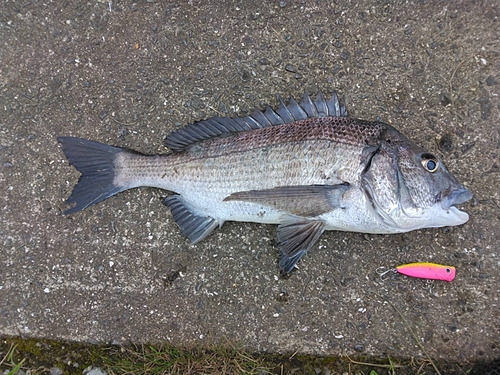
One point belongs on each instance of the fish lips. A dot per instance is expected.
(456, 197)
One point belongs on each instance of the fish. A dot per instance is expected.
(306, 166)
(426, 270)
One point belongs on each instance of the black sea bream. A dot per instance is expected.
(306, 166)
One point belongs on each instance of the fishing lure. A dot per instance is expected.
(425, 270)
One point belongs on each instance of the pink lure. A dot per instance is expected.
(426, 270)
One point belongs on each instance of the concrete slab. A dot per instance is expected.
(128, 73)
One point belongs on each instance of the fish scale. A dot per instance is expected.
(306, 167)
(284, 164)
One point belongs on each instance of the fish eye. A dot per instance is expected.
(430, 163)
(448, 270)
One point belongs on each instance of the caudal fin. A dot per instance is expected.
(95, 161)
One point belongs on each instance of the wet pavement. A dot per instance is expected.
(128, 73)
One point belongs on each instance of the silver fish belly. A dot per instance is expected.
(306, 166)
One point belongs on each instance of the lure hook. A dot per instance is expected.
(380, 271)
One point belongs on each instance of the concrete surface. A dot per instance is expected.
(128, 73)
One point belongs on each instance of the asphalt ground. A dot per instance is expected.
(128, 73)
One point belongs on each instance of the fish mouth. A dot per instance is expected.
(457, 196)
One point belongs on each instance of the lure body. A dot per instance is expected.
(425, 270)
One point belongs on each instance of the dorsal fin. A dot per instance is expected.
(179, 140)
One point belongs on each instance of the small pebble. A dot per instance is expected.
(359, 347)
(491, 81)
(94, 371)
(444, 98)
(446, 143)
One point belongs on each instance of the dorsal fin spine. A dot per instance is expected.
(242, 124)
(308, 106)
(296, 110)
(320, 104)
(260, 118)
(283, 111)
(273, 117)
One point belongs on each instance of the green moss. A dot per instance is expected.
(73, 358)
(38, 354)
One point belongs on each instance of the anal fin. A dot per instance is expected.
(296, 235)
(193, 226)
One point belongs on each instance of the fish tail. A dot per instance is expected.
(96, 162)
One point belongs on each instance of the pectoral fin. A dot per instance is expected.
(296, 235)
(305, 201)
